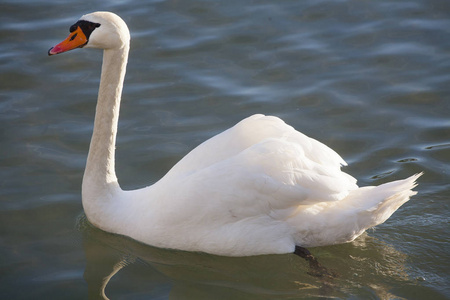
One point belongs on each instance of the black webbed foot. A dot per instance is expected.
(315, 268)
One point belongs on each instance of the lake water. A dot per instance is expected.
(371, 79)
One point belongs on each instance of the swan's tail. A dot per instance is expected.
(342, 221)
(378, 203)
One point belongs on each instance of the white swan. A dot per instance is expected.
(260, 187)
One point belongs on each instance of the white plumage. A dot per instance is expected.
(259, 187)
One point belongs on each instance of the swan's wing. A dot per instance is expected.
(250, 132)
(263, 159)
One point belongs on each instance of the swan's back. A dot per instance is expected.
(278, 152)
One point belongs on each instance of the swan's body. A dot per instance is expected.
(260, 187)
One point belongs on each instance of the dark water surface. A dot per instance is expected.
(371, 79)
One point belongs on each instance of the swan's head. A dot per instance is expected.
(102, 30)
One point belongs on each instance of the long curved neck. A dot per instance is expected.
(100, 176)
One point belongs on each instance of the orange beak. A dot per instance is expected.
(76, 39)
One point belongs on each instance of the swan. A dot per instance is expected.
(260, 187)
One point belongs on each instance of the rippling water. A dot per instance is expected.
(371, 79)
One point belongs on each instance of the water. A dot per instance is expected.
(371, 79)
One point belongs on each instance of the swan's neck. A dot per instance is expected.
(100, 181)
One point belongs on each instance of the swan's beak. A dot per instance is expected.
(76, 39)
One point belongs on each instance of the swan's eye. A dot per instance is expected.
(94, 25)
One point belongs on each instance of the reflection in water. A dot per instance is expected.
(366, 265)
